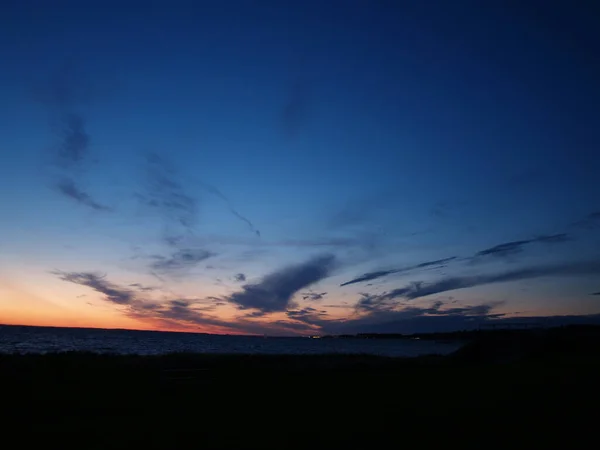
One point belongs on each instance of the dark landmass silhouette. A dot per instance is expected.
(530, 387)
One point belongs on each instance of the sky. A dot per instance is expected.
(314, 167)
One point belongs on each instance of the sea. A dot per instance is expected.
(27, 339)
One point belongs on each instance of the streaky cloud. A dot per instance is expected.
(422, 320)
(164, 193)
(61, 95)
(553, 238)
(418, 290)
(74, 142)
(314, 296)
(141, 287)
(216, 192)
(181, 259)
(97, 282)
(507, 248)
(589, 222)
(370, 276)
(382, 273)
(511, 248)
(325, 243)
(385, 318)
(181, 313)
(308, 315)
(69, 189)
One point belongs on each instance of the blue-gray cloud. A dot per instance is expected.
(70, 189)
(141, 287)
(97, 282)
(62, 95)
(500, 250)
(589, 222)
(181, 259)
(511, 248)
(308, 315)
(217, 192)
(275, 291)
(74, 143)
(171, 311)
(420, 289)
(435, 319)
(165, 194)
(314, 296)
(382, 273)
(72, 151)
(239, 277)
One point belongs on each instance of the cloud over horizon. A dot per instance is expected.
(98, 282)
(275, 291)
(267, 179)
(420, 289)
(183, 313)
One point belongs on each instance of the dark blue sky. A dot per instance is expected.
(227, 165)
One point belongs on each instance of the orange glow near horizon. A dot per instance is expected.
(21, 306)
(49, 302)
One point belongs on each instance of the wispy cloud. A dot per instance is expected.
(314, 296)
(595, 293)
(382, 273)
(370, 276)
(183, 313)
(500, 250)
(216, 192)
(428, 319)
(436, 317)
(165, 194)
(384, 313)
(511, 248)
(589, 222)
(420, 289)
(370, 303)
(177, 311)
(181, 259)
(239, 277)
(69, 188)
(322, 243)
(97, 282)
(308, 315)
(141, 287)
(275, 291)
(63, 95)
(74, 141)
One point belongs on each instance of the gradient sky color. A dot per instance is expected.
(226, 166)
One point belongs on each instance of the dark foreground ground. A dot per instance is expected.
(534, 390)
